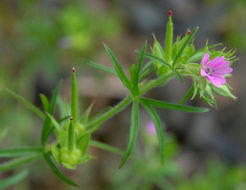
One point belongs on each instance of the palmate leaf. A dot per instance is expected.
(25, 151)
(26, 103)
(184, 46)
(118, 68)
(46, 130)
(13, 180)
(158, 126)
(56, 170)
(133, 131)
(171, 106)
(102, 67)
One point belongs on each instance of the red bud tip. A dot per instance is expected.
(170, 13)
(188, 32)
(73, 70)
(71, 118)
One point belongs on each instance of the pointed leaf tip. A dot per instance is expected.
(188, 31)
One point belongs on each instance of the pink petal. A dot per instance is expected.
(216, 80)
(223, 71)
(215, 61)
(203, 72)
(205, 59)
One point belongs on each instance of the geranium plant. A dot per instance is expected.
(208, 68)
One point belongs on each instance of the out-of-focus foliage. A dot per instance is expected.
(235, 31)
(217, 175)
(145, 169)
(148, 172)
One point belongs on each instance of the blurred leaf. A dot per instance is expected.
(101, 112)
(64, 119)
(158, 126)
(46, 130)
(171, 106)
(85, 116)
(45, 102)
(3, 133)
(13, 180)
(27, 103)
(101, 67)
(106, 147)
(133, 131)
(12, 152)
(57, 171)
(55, 124)
(18, 161)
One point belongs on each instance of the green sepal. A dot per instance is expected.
(71, 137)
(223, 91)
(83, 142)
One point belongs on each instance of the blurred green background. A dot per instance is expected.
(40, 41)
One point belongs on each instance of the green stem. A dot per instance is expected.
(125, 102)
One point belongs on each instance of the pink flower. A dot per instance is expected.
(215, 69)
(150, 128)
